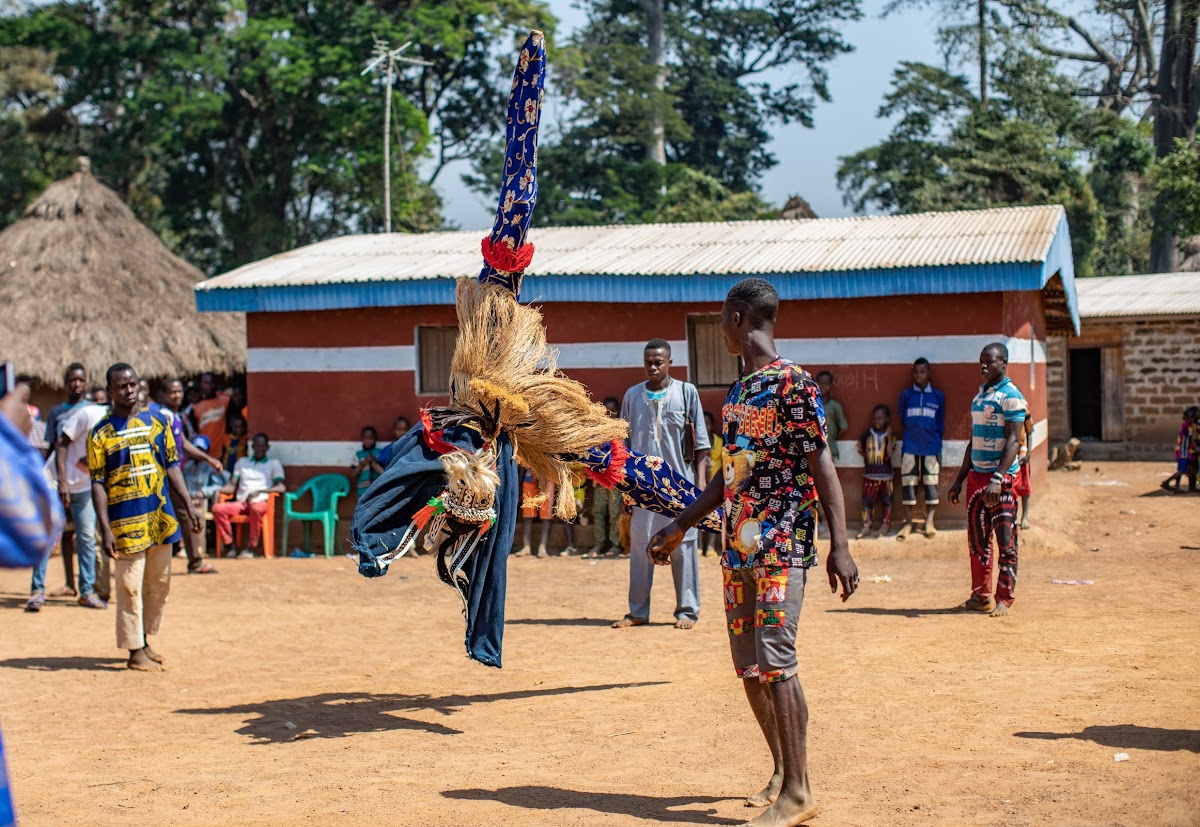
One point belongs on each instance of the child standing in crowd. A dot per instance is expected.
(399, 429)
(1185, 453)
(235, 443)
(606, 506)
(835, 417)
(711, 544)
(1022, 488)
(203, 482)
(366, 468)
(534, 504)
(876, 446)
(923, 417)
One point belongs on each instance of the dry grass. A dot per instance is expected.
(502, 355)
(81, 279)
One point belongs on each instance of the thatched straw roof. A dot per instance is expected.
(81, 279)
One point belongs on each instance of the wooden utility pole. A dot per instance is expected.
(983, 80)
(656, 147)
(389, 58)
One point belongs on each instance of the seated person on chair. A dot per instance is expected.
(254, 478)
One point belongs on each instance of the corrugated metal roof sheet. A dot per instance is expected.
(1161, 294)
(1011, 235)
(1014, 249)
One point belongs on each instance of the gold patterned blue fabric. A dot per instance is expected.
(648, 482)
(518, 191)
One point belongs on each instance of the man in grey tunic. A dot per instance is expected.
(660, 411)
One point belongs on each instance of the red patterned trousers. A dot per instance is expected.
(982, 522)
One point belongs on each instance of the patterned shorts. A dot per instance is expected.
(877, 491)
(762, 609)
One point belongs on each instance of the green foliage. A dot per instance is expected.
(1178, 177)
(716, 108)
(586, 189)
(239, 128)
(1035, 143)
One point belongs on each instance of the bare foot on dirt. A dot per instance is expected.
(768, 794)
(140, 661)
(154, 656)
(1024, 525)
(930, 531)
(904, 531)
(787, 811)
(864, 534)
(627, 622)
(1000, 611)
(684, 623)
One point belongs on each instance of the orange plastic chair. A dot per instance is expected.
(268, 526)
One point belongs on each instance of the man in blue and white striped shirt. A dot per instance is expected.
(998, 415)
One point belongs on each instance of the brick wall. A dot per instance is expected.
(1162, 377)
(1160, 374)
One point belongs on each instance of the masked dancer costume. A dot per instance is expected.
(454, 476)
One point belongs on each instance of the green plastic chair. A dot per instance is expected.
(326, 490)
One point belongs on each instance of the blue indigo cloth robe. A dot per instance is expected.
(413, 477)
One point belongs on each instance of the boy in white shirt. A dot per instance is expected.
(254, 478)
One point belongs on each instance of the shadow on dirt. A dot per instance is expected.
(81, 664)
(337, 715)
(558, 621)
(661, 810)
(1128, 736)
(911, 613)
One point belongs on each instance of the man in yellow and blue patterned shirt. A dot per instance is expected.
(132, 458)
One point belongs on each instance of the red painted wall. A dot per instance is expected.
(335, 406)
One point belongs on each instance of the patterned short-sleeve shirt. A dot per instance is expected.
(771, 419)
(130, 458)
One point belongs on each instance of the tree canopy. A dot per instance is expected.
(239, 128)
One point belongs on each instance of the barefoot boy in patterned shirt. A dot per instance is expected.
(777, 465)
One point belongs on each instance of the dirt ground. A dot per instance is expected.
(301, 693)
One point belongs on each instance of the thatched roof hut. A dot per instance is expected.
(81, 279)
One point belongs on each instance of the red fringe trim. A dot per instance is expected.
(504, 258)
(614, 474)
(434, 438)
(422, 517)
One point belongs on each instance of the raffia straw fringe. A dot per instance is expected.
(502, 354)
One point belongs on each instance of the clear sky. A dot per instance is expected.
(808, 158)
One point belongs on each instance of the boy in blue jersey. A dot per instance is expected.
(923, 416)
(132, 458)
(998, 414)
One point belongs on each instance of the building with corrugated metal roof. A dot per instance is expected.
(357, 330)
(1121, 386)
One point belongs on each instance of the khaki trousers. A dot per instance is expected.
(143, 581)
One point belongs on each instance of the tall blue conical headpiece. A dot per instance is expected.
(505, 252)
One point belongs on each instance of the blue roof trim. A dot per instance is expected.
(1059, 261)
(632, 289)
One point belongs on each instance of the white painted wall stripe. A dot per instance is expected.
(863, 350)
(904, 350)
(612, 354)
(330, 359)
(341, 454)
